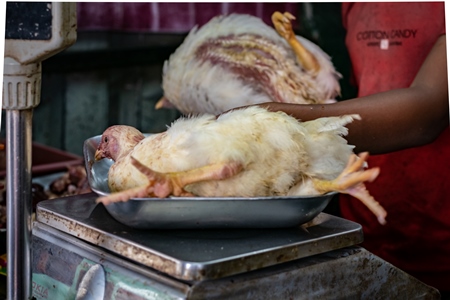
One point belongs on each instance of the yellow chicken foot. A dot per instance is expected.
(283, 26)
(162, 185)
(351, 181)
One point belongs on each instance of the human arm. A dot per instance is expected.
(396, 119)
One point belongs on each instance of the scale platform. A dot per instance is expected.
(200, 254)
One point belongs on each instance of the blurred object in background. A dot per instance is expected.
(45, 160)
(167, 17)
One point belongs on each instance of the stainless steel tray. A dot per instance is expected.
(199, 212)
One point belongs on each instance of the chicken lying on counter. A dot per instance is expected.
(249, 152)
(238, 60)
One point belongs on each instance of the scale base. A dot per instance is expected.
(61, 261)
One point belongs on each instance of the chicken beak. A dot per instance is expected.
(98, 155)
(164, 103)
(160, 103)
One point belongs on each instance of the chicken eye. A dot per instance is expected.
(105, 139)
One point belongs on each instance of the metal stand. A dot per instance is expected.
(19, 203)
(21, 93)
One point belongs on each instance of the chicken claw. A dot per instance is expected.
(351, 181)
(282, 23)
(283, 26)
(162, 185)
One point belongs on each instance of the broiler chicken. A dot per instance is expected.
(238, 60)
(242, 153)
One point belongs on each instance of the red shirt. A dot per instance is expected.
(387, 44)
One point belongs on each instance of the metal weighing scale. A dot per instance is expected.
(79, 248)
(80, 252)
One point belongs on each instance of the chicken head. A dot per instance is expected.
(118, 141)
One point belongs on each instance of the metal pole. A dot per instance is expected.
(21, 93)
(18, 169)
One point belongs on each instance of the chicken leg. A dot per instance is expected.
(162, 185)
(283, 26)
(351, 181)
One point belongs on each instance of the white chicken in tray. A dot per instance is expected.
(238, 60)
(248, 152)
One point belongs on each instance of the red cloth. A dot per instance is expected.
(387, 44)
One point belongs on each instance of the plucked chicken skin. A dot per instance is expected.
(238, 60)
(249, 152)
